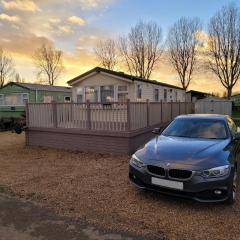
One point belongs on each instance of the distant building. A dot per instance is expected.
(102, 85)
(193, 96)
(13, 95)
(213, 105)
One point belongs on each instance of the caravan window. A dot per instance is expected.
(122, 93)
(165, 95)
(47, 99)
(139, 91)
(91, 94)
(79, 95)
(25, 97)
(107, 93)
(13, 99)
(67, 99)
(156, 95)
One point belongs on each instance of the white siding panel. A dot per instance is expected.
(100, 79)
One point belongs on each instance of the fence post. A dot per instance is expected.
(27, 113)
(193, 107)
(148, 113)
(88, 115)
(171, 109)
(161, 111)
(54, 107)
(128, 116)
(179, 107)
(71, 107)
(185, 107)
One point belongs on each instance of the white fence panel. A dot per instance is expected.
(119, 116)
(213, 107)
(138, 115)
(40, 115)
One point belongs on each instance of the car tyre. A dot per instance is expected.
(233, 189)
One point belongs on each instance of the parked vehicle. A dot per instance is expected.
(194, 157)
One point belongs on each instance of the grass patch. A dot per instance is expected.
(236, 117)
(236, 114)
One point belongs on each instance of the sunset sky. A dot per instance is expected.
(75, 26)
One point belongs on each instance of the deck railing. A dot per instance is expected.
(117, 116)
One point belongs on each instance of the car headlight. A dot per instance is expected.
(215, 172)
(136, 161)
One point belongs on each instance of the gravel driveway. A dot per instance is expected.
(94, 189)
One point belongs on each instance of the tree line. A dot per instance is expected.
(47, 60)
(143, 48)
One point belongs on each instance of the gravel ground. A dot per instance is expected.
(94, 188)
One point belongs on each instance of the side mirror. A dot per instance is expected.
(157, 130)
(237, 136)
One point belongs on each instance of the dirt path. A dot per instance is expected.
(22, 220)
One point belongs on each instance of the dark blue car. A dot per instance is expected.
(195, 157)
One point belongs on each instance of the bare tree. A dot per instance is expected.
(107, 53)
(182, 47)
(141, 48)
(6, 67)
(224, 46)
(49, 63)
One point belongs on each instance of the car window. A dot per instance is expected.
(232, 126)
(197, 128)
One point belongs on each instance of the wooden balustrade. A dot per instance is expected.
(116, 116)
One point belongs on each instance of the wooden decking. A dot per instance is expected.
(115, 127)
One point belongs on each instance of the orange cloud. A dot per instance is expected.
(25, 45)
(65, 29)
(22, 5)
(87, 4)
(9, 18)
(55, 20)
(76, 20)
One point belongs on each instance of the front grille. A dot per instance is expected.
(156, 170)
(179, 173)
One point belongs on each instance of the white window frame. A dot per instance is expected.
(18, 105)
(77, 92)
(122, 91)
(27, 98)
(100, 92)
(154, 91)
(96, 88)
(139, 86)
(165, 91)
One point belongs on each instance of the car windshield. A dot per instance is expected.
(196, 128)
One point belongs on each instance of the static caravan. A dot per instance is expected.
(103, 85)
(13, 96)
